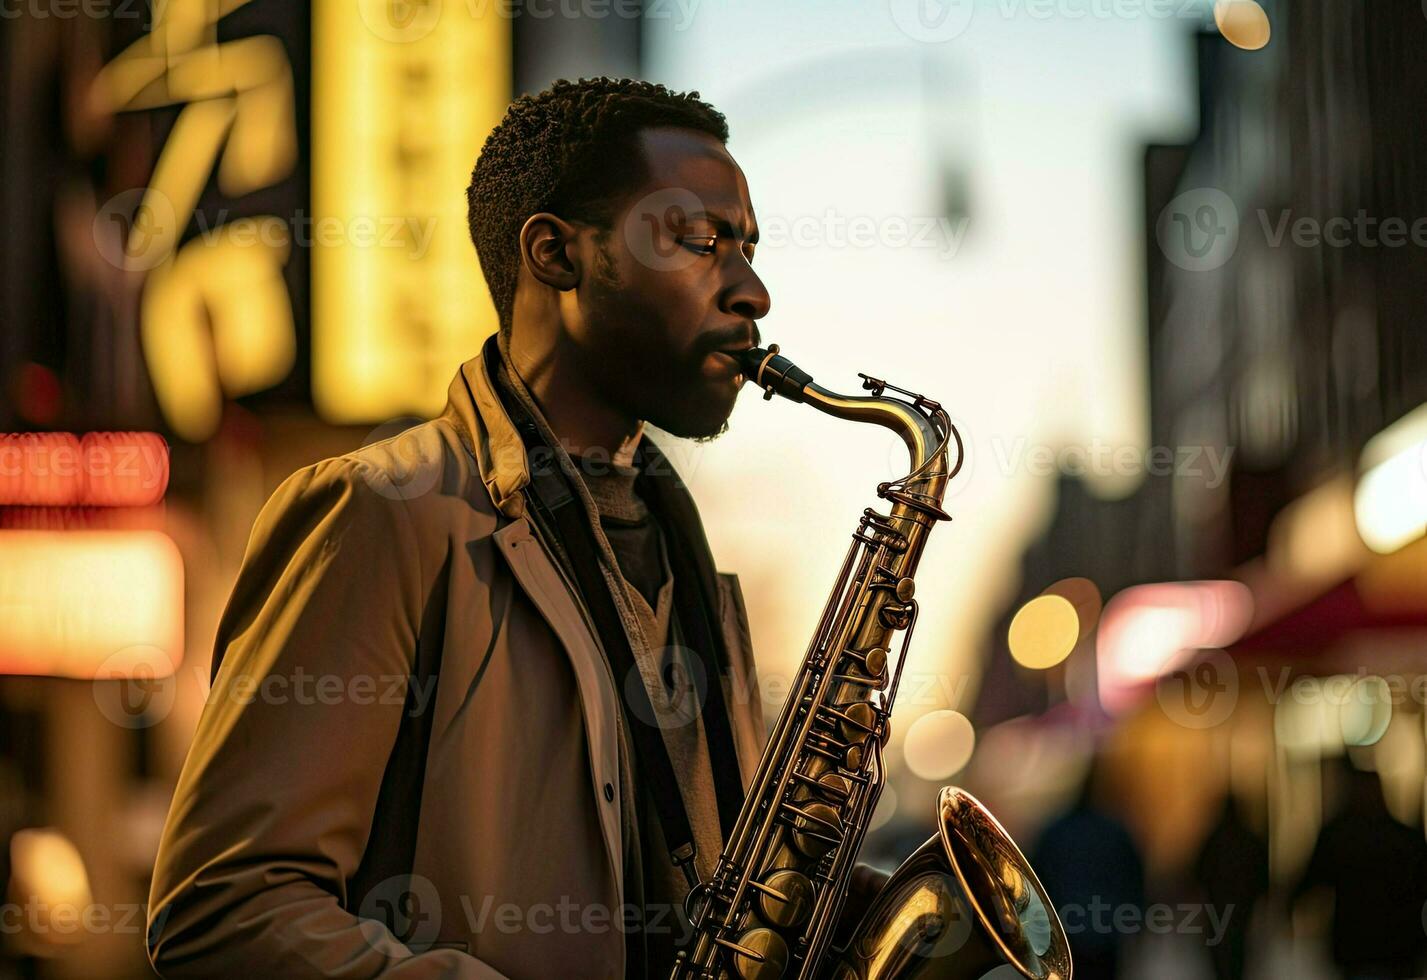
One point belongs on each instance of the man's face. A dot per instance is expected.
(672, 289)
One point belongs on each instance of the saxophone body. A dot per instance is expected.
(967, 901)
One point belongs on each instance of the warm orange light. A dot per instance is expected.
(103, 469)
(124, 469)
(1243, 23)
(50, 885)
(90, 603)
(41, 469)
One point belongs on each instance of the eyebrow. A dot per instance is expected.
(722, 223)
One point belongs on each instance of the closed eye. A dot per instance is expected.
(703, 244)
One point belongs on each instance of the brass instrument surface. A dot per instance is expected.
(775, 897)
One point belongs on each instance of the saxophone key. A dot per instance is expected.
(759, 954)
(785, 898)
(817, 828)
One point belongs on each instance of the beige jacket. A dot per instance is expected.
(355, 564)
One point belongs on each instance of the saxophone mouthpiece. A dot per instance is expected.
(774, 373)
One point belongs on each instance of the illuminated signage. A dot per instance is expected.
(90, 604)
(216, 319)
(403, 95)
(102, 469)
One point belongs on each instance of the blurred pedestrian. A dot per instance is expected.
(1088, 861)
(1232, 869)
(1376, 870)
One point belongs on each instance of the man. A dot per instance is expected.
(540, 709)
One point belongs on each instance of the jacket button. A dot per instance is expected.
(609, 792)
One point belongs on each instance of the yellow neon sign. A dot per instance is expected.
(238, 101)
(403, 96)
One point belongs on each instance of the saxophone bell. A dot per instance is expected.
(964, 903)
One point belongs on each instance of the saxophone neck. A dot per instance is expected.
(922, 424)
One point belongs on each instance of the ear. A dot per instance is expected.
(549, 250)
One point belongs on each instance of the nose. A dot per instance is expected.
(745, 296)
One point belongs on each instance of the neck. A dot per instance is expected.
(583, 421)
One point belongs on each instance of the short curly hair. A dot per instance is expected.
(569, 150)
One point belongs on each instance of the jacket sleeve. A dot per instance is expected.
(274, 806)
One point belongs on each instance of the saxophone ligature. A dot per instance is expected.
(966, 901)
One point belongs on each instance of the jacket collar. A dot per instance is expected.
(488, 433)
(474, 406)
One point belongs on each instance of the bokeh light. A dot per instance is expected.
(1043, 632)
(1243, 23)
(939, 744)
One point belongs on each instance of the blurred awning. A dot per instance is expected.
(1387, 593)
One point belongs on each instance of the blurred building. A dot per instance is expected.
(1283, 297)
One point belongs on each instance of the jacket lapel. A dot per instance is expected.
(546, 589)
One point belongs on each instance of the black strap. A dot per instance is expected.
(695, 594)
(570, 524)
(556, 505)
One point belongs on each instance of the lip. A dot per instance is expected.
(725, 363)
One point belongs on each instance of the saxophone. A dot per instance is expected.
(966, 901)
